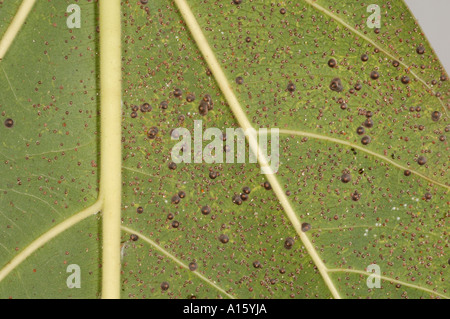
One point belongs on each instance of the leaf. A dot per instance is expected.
(265, 65)
(49, 174)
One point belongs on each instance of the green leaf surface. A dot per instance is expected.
(393, 211)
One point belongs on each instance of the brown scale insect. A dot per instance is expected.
(364, 58)
(224, 239)
(145, 108)
(436, 116)
(193, 266)
(306, 227)
(291, 87)
(420, 49)
(239, 80)
(177, 93)
(190, 98)
(237, 200)
(289, 243)
(134, 237)
(175, 199)
(206, 210)
(368, 123)
(360, 130)
(332, 63)
(213, 175)
(172, 166)
(151, 134)
(422, 160)
(405, 79)
(374, 75)
(175, 224)
(356, 196)
(164, 105)
(140, 210)
(165, 286)
(365, 140)
(336, 85)
(208, 99)
(346, 178)
(203, 108)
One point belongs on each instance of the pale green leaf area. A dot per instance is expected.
(49, 157)
(393, 212)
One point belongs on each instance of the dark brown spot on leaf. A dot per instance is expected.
(422, 160)
(224, 239)
(374, 75)
(9, 123)
(165, 286)
(306, 227)
(289, 243)
(336, 85)
(345, 178)
(206, 210)
(332, 63)
(420, 49)
(365, 140)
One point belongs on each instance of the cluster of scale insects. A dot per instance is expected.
(336, 85)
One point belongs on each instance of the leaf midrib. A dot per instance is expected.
(241, 117)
